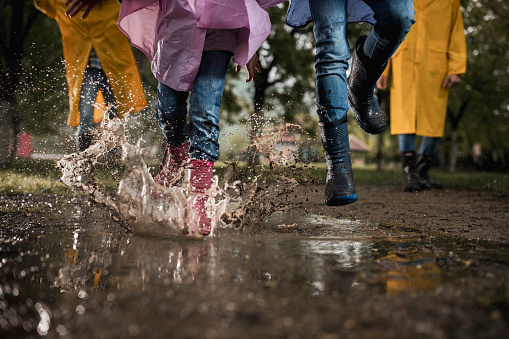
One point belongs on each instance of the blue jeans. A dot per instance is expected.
(93, 81)
(204, 104)
(428, 145)
(394, 19)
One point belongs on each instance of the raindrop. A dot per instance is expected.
(80, 309)
(45, 322)
(134, 329)
(27, 326)
(61, 330)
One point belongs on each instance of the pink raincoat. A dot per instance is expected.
(171, 33)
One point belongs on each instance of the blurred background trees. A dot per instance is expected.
(18, 17)
(478, 111)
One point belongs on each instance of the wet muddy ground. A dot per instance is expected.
(393, 265)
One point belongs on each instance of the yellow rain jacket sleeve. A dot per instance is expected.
(434, 48)
(98, 30)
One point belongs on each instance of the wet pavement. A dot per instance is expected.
(68, 271)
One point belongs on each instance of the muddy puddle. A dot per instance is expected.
(68, 271)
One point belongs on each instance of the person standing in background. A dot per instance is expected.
(430, 61)
(100, 67)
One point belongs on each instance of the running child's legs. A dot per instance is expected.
(204, 106)
(171, 115)
(332, 54)
(393, 22)
(172, 119)
(205, 103)
(194, 146)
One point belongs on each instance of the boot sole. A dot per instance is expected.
(341, 200)
(359, 121)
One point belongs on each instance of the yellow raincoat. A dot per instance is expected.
(99, 30)
(434, 48)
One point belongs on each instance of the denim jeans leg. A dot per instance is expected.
(171, 115)
(429, 146)
(332, 54)
(393, 22)
(205, 104)
(406, 143)
(89, 90)
(109, 97)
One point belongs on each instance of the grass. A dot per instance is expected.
(30, 176)
(495, 182)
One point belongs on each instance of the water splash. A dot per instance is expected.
(145, 207)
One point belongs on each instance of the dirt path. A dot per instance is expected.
(467, 214)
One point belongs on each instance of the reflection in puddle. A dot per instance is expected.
(424, 277)
(417, 271)
(346, 253)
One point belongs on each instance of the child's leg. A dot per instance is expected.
(87, 100)
(171, 116)
(205, 104)
(371, 53)
(332, 53)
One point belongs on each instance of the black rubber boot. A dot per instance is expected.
(410, 182)
(422, 168)
(339, 188)
(83, 141)
(361, 84)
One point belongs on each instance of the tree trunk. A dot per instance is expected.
(384, 102)
(454, 152)
(455, 121)
(380, 152)
(8, 134)
(256, 124)
(23, 16)
(257, 117)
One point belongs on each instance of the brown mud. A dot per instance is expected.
(457, 213)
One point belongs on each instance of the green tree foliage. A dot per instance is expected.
(478, 109)
(16, 21)
(283, 86)
(32, 76)
(285, 89)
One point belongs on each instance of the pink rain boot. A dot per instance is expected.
(171, 170)
(200, 178)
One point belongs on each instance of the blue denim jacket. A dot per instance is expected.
(299, 14)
